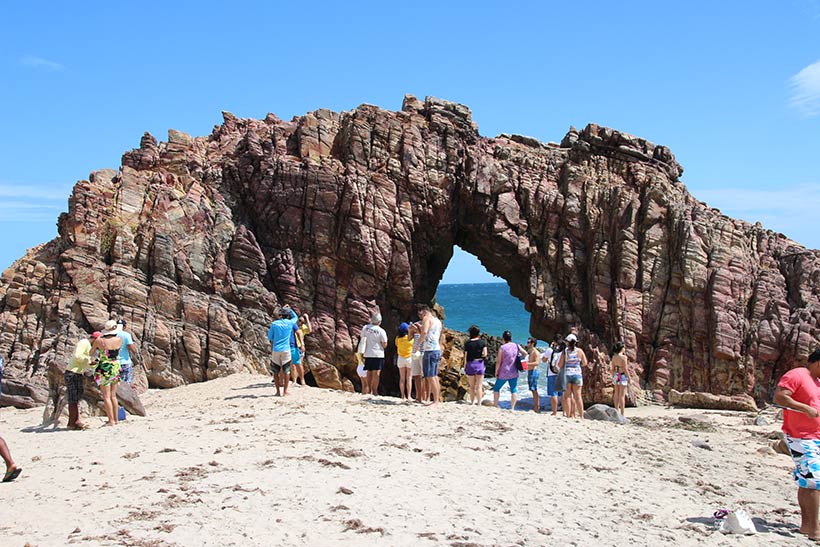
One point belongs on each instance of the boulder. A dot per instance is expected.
(605, 413)
(699, 399)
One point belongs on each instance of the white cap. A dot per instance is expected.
(571, 338)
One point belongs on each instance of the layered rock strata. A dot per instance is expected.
(198, 241)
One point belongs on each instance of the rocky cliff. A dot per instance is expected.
(197, 241)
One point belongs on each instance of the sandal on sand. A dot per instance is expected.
(78, 427)
(13, 474)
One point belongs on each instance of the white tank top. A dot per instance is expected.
(572, 362)
(433, 335)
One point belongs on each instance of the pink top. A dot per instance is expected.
(505, 370)
(806, 390)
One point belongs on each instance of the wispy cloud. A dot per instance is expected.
(791, 210)
(38, 62)
(30, 203)
(805, 89)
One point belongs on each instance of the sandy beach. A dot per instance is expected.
(227, 463)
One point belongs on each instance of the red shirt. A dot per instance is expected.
(806, 390)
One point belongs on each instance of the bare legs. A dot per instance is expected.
(418, 383)
(476, 388)
(373, 381)
(405, 383)
(566, 402)
(365, 385)
(575, 396)
(513, 397)
(536, 402)
(620, 398)
(433, 389)
(554, 404)
(809, 501)
(5, 453)
(281, 379)
(299, 374)
(110, 404)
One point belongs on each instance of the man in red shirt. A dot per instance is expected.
(799, 391)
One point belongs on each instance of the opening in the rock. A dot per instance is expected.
(472, 295)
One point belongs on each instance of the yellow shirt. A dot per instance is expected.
(305, 330)
(404, 346)
(81, 360)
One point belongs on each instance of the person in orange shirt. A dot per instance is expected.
(798, 391)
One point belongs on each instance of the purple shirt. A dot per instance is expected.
(505, 370)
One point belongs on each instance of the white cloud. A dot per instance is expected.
(792, 211)
(34, 192)
(805, 87)
(38, 62)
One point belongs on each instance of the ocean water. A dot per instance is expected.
(493, 309)
(490, 306)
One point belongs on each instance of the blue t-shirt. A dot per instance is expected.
(293, 336)
(125, 355)
(281, 330)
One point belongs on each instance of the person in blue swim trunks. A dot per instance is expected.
(533, 374)
(505, 371)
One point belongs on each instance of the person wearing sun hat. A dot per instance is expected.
(107, 373)
(78, 366)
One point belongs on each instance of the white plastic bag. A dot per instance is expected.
(738, 522)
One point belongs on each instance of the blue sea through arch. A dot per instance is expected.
(490, 306)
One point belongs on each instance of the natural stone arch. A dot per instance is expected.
(198, 240)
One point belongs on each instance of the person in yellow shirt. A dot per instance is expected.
(404, 350)
(78, 366)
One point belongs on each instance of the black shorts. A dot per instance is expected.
(74, 386)
(373, 363)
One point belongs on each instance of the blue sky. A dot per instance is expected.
(732, 87)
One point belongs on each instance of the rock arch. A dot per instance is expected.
(198, 240)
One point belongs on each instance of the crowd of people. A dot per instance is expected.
(418, 354)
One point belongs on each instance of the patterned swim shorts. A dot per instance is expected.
(74, 386)
(806, 456)
(126, 372)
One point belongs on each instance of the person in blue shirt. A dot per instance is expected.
(126, 364)
(279, 335)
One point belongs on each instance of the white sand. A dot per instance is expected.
(227, 463)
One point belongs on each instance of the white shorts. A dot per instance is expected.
(403, 362)
(361, 371)
(415, 364)
(281, 358)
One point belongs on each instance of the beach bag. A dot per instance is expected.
(554, 366)
(561, 378)
(519, 365)
(738, 522)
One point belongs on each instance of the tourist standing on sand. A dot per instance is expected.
(305, 328)
(550, 361)
(106, 348)
(475, 352)
(573, 359)
(372, 342)
(505, 370)
(533, 374)
(126, 350)
(279, 335)
(404, 356)
(362, 373)
(415, 362)
(619, 377)
(12, 471)
(297, 349)
(74, 376)
(799, 390)
(431, 333)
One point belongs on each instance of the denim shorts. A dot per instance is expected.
(429, 363)
(576, 379)
(532, 378)
(499, 383)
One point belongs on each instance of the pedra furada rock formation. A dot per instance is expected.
(198, 241)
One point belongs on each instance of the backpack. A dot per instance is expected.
(518, 364)
(554, 363)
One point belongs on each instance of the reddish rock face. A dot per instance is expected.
(198, 241)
